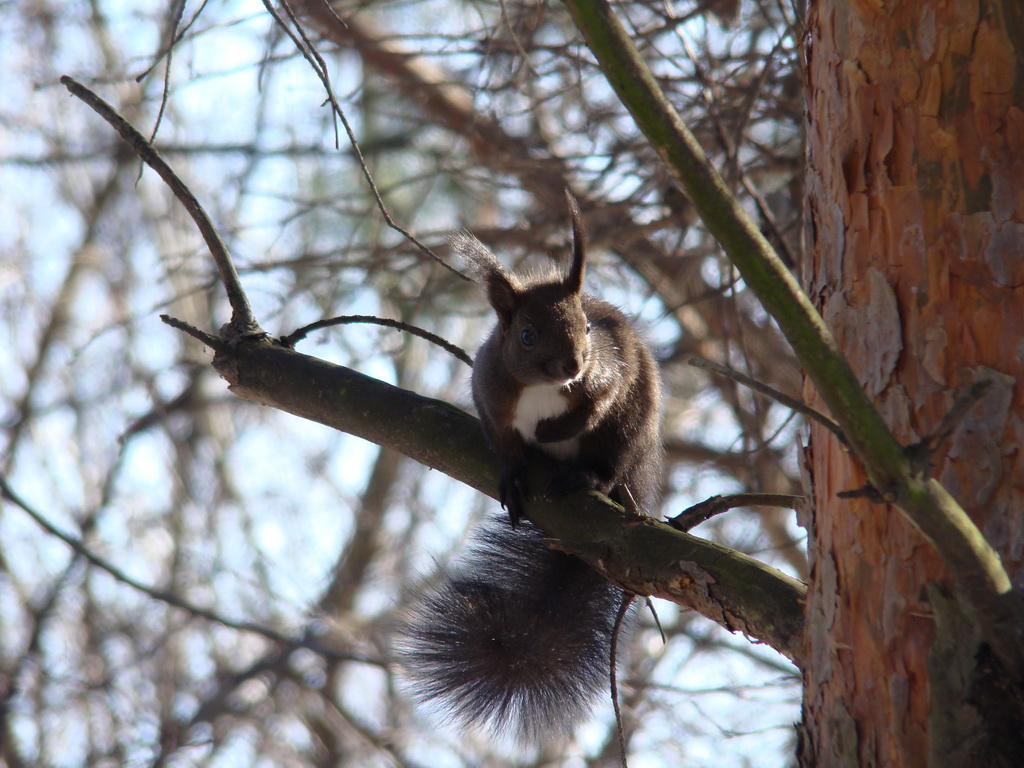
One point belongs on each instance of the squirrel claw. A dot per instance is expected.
(510, 493)
(514, 517)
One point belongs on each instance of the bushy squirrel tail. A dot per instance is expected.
(516, 639)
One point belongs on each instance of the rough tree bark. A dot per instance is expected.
(916, 199)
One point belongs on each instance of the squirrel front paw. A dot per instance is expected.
(511, 490)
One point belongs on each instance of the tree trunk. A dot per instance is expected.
(916, 199)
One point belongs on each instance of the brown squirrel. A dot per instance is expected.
(518, 637)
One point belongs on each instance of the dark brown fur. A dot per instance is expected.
(613, 400)
(517, 637)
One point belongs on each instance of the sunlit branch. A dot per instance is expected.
(243, 323)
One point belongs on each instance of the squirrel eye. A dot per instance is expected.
(588, 326)
(528, 337)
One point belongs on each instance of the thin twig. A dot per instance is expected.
(657, 620)
(214, 342)
(790, 402)
(165, 596)
(730, 145)
(716, 505)
(627, 600)
(243, 323)
(178, 12)
(296, 336)
(179, 34)
(309, 52)
(515, 39)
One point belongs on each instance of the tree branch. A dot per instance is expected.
(640, 554)
(702, 511)
(243, 323)
(974, 565)
(170, 598)
(456, 351)
(309, 52)
(783, 399)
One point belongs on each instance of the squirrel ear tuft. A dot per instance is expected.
(502, 288)
(574, 280)
(480, 261)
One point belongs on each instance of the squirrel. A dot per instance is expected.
(517, 638)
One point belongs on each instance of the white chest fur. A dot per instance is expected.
(543, 401)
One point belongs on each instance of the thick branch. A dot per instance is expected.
(974, 565)
(642, 555)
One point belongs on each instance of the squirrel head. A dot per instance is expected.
(544, 330)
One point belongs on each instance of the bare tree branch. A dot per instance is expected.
(243, 323)
(644, 556)
(165, 596)
(309, 52)
(792, 403)
(693, 516)
(295, 337)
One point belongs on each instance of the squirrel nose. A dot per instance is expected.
(571, 366)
